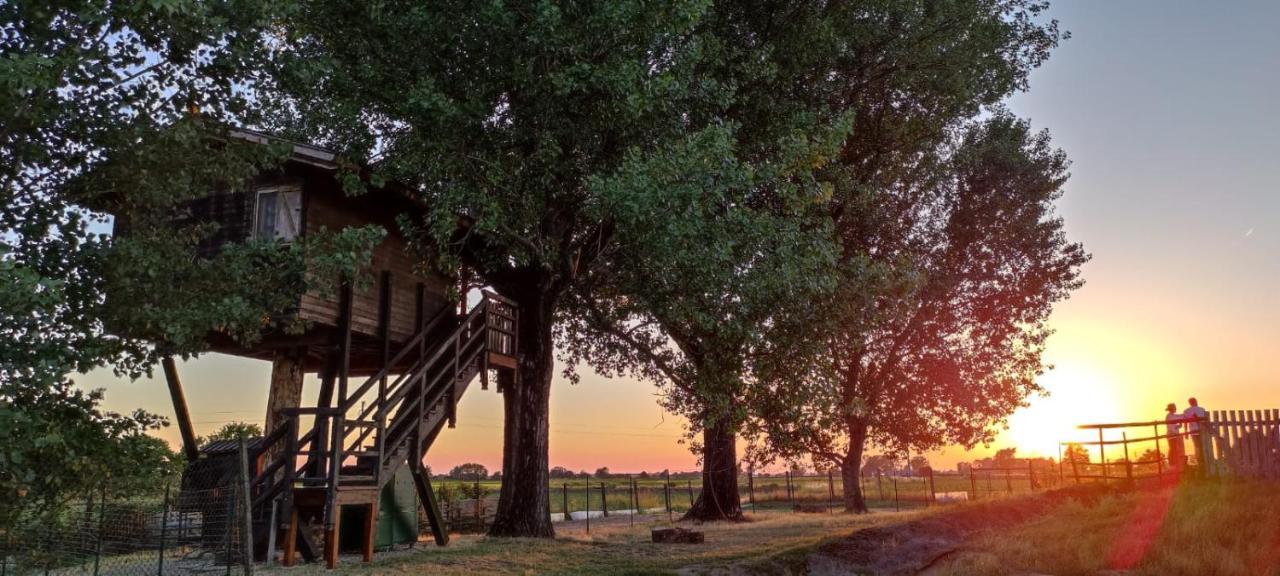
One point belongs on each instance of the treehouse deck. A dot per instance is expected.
(341, 452)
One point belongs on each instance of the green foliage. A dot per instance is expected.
(235, 431)
(951, 255)
(60, 446)
(469, 471)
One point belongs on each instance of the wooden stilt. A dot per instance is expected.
(370, 531)
(290, 540)
(331, 535)
(180, 411)
(423, 484)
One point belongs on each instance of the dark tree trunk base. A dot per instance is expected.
(524, 502)
(719, 499)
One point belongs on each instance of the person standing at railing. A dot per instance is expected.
(1194, 415)
(1173, 431)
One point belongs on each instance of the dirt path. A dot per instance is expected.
(913, 547)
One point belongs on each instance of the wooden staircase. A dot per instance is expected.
(336, 454)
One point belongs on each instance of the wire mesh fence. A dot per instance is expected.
(195, 525)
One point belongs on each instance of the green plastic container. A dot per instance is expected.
(397, 516)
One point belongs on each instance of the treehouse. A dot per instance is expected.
(394, 357)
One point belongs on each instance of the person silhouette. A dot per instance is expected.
(1193, 417)
(1173, 432)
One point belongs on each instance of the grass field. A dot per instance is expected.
(1224, 528)
(616, 547)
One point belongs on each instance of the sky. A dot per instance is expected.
(1167, 112)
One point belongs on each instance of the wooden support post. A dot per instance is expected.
(370, 531)
(290, 540)
(422, 482)
(332, 510)
(180, 411)
(331, 536)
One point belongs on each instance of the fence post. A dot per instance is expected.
(831, 490)
(1062, 479)
(791, 493)
(164, 528)
(97, 545)
(880, 484)
(588, 505)
(1128, 464)
(1102, 456)
(751, 489)
(479, 514)
(631, 517)
(897, 506)
(666, 486)
(933, 488)
(690, 494)
(604, 498)
(246, 512)
(973, 484)
(1075, 472)
(1155, 433)
(1031, 476)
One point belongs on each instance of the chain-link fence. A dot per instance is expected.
(195, 525)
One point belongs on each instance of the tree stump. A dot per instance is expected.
(677, 536)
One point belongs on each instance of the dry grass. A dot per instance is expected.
(1222, 528)
(615, 547)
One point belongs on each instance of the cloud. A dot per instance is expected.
(1248, 233)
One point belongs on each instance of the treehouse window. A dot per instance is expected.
(278, 215)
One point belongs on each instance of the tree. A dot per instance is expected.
(1006, 455)
(516, 121)
(950, 342)
(235, 431)
(560, 473)
(61, 446)
(632, 105)
(603, 473)
(877, 464)
(469, 471)
(694, 302)
(1076, 453)
(919, 463)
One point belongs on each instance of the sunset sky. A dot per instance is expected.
(1167, 110)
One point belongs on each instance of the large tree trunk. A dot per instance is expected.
(719, 499)
(524, 503)
(286, 387)
(851, 468)
(286, 391)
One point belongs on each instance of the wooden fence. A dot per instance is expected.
(1239, 443)
(1245, 443)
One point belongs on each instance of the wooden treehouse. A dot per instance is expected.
(393, 360)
